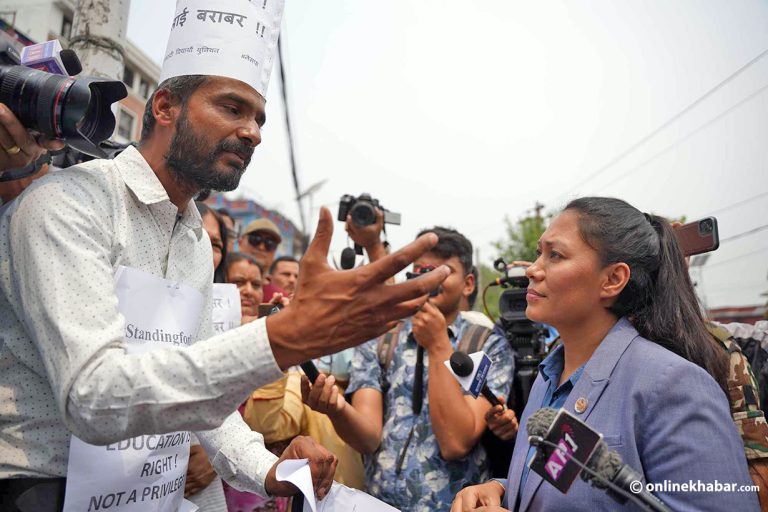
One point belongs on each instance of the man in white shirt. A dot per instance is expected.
(63, 364)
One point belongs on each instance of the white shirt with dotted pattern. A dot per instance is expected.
(63, 364)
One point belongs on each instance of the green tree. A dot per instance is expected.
(520, 238)
(518, 244)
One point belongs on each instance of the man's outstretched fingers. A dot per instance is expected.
(415, 288)
(321, 243)
(382, 269)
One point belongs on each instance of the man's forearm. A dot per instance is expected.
(453, 421)
(214, 375)
(238, 454)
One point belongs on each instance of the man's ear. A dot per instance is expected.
(165, 108)
(616, 277)
(469, 285)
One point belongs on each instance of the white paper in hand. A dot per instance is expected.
(343, 499)
(297, 472)
(339, 499)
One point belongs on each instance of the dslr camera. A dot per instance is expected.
(76, 110)
(362, 209)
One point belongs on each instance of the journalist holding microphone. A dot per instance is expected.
(635, 364)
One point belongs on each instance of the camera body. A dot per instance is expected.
(76, 110)
(362, 209)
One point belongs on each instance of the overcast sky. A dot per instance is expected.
(461, 113)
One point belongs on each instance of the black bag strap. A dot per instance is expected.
(385, 347)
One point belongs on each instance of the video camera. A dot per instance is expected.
(527, 338)
(362, 209)
(76, 110)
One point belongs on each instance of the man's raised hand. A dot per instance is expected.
(337, 309)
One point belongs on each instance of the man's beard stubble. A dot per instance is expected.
(192, 166)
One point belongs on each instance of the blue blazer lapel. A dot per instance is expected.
(520, 453)
(590, 386)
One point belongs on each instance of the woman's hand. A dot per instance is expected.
(502, 422)
(485, 496)
(323, 396)
(279, 298)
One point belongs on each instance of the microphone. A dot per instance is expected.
(604, 469)
(463, 366)
(347, 259)
(71, 62)
(311, 370)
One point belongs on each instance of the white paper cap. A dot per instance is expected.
(230, 38)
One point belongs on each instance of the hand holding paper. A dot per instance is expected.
(322, 466)
(339, 499)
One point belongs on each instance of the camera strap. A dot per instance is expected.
(418, 383)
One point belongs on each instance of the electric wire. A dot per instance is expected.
(698, 130)
(745, 233)
(669, 121)
(291, 151)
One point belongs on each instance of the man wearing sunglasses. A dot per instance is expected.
(260, 239)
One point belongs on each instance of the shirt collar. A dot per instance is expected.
(143, 182)
(139, 177)
(552, 366)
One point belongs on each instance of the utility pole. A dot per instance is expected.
(98, 36)
(537, 208)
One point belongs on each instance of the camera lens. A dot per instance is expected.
(76, 110)
(706, 226)
(363, 214)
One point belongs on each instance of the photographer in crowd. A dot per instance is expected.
(64, 355)
(408, 412)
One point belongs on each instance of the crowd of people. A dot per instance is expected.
(635, 359)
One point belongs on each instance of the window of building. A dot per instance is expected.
(128, 77)
(143, 88)
(125, 125)
(66, 27)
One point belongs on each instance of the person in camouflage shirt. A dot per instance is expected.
(744, 396)
(419, 453)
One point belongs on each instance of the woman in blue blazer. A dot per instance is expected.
(636, 364)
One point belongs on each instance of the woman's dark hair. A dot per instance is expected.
(234, 257)
(659, 299)
(219, 274)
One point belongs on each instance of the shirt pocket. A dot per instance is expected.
(612, 440)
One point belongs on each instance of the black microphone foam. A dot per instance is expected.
(540, 421)
(462, 364)
(347, 259)
(605, 463)
(71, 62)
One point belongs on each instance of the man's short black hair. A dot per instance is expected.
(180, 87)
(451, 243)
(273, 267)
